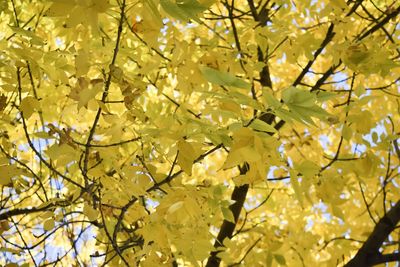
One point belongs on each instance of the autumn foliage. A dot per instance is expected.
(199, 133)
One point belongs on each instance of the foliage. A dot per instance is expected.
(199, 133)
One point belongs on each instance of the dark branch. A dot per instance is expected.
(368, 254)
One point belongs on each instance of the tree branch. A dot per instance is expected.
(104, 96)
(380, 24)
(368, 254)
(227, 228)
(328, 37)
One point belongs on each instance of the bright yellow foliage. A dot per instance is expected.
(199, 132)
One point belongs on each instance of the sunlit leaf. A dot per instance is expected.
(228, 215)
(28, 106)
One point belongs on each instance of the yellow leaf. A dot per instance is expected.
(90, 212)
(308, 169)
(186, 156)
(174, 207)
(347, 132)
(62, 152)
(48, 225)
(46, 215)
(57, 9)
(7, 172)
(233, 159)
(296, 187)
(249, 154)
(4, 226)
(151, 8)
(82, 64)
(28, 105)
(341, 4)
(85, 96)
(100, 6)
(230, 106)
(336, 211)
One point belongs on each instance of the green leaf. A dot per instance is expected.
(303, 118)
(223, 78)
(285, 115)
(262, 126)
(173, 10)
(271, 100)
(313, 111)
(227, 213)
(280, 259)
(302, 105)
(324, 96)
(183, 10)
(191, 7)
(298, 97)
(154, 11)
(245, 100)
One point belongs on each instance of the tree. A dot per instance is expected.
(199, 133)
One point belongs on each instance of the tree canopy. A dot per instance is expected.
(199, 133)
